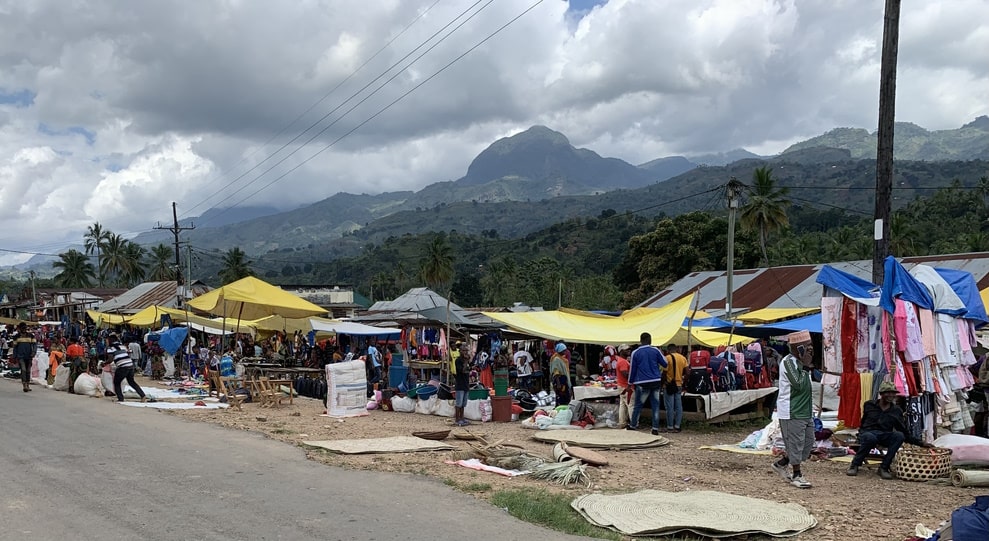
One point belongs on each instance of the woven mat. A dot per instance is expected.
(174, 405)
(713, 514)
(732, 448)
(602, 438)
(395, 444)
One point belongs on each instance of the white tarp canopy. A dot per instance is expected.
(352, 328)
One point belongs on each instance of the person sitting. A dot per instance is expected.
(882, 424)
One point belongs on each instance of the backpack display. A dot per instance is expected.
(699, 381)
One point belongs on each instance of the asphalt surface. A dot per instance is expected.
(73, 467)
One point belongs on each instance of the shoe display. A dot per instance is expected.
(852, 470)
(885, 474)
(781, 471)
(800, 482)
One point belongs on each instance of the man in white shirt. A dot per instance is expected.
(523, 366)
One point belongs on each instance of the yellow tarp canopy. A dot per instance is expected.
(110, 319)
(768, 315)
(272, 324)
(575, 326)
(14, 322)
(704, 336)
(250, 299)
(985, 298)
(151, 317)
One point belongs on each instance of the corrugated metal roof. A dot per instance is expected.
(416, 299)
(142, 296)
(795, 286)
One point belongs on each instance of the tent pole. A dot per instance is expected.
(690, 322)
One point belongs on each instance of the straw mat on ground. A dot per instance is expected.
(602, 438)
(395, 444)
(709, 513)
(732, 448)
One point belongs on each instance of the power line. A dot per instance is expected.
(389, 105)
(341, 104)
(419, 16)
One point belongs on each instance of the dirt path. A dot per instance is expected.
(862, 507)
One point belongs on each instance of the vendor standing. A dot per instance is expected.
(559, 373)
(25, 348)
(793, 408)
(461, 385)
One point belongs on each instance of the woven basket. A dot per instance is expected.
(922, 463)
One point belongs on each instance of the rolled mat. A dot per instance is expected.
(970, 478)
(560, 452)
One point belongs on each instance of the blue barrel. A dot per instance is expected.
(397, 374)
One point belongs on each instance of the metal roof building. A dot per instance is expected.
(794, 286)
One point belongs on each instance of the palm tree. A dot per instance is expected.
(436, 266)
(902, 235)
(76, 270)
(134, 271)
(161, 264)
(115, 262)
(766, 210)
(235, 266)
(96, 238)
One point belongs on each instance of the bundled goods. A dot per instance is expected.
(571, 472)
(970, 478)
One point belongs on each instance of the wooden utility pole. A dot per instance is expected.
(175, 229)
(734, 191)
(884, 150)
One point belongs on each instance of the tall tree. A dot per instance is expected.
(161, 269)
(96, 238)
(235, 266)
(765, 211)
(75, 270)
(436, 266)
(134, 271)
(115, 261)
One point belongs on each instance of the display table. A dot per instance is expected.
(713, 408)
(593, 392)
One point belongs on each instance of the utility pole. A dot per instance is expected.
(734, 191)
(884, 150)
(175, 229)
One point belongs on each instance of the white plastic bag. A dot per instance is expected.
(403, 404)
(478, 410)
(62, 377)
(106, 376)
(445, 408)
(88, 384)
(428, 406)
(39, 368)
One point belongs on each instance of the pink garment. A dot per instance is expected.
(900, 378)
(928, 331)
(862, 350)
(900, 324)
(967, 357)
(914, 346)
(887, 344)
(739, 362)
(831, 330)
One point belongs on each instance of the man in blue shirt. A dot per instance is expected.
(646, 375)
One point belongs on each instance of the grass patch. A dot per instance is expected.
(550, 510)
(476, 487)
(450, 482)
(282, 431)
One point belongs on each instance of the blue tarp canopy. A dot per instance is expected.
(810, 323)
(963, 284)
(898, 282)
(171, 340)
(849, 285)
(710, 322)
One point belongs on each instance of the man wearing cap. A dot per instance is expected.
(793, 408)
(882, 424)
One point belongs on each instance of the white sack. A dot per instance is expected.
(88, 384)
(62, 378)
(445, 408)
(403, 404)
(39, 368)
(428, 406)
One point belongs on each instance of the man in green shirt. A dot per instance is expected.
(793, 408)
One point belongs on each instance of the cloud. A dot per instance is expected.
(111, 110)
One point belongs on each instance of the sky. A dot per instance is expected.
(111, 110)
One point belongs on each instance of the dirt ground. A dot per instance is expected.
(863, 507)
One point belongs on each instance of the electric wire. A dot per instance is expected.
(203, 201)
(348, 111)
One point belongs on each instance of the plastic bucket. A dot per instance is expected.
(477, 394)
(501, 382)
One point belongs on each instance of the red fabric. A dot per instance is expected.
(850, 399)
(908, 375)
(487, 377)
(849, 335)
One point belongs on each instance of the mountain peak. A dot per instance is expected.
(534, 135)
(980, 123)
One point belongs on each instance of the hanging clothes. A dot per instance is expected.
(849, 335)
(831, 333)
(947, 341)
(876, 317)
(850, 402)
(928, 331)
(863, 342)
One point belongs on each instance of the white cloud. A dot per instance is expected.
(138, 104)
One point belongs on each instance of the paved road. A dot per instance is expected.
(86, 468)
